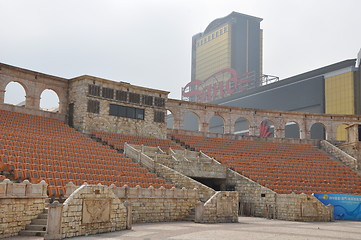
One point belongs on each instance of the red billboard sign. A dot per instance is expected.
(212, 88)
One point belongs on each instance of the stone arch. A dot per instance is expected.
(266, 128)
(241, 126)
(49, 100)
(292, 130)
(191, 121)
(318, 131)
(341, 133)
(13, 92)
(216, 124)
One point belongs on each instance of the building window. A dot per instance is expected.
(212, 35)
(225, 29)
(159, 102)
(93, 106)
(217, 34)
(94, 90)
(121, 95)
(134, 98)
(147, 100)
(108, 93)
(159, 116)
(127, 112)
(221, 31)
(209, 38)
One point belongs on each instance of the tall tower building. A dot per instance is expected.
(226, 58)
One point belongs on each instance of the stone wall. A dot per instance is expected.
(19, 204)
(312, 142)
(87, 121)
(302, 207)
(254, 199)
(257, 200)
(154, 205)
(158, 205)
(339, 154)
(34, 83)
(222, 207)
(353, 149)
(169, 174)
(92, 209)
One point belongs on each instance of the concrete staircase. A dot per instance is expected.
(37, 227)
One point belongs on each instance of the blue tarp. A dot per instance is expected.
(346, 207)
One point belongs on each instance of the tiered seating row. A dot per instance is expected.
(39, 148)
(283, 167)
(118, 140)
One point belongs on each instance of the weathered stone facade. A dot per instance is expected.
(34, 83)
(19, 204)
(302, 207)
(305, 121)
(339, 154)
(154, 205)
(257, 200)
(169, 174)
(222, 207)
(85, 120)
(89, 210)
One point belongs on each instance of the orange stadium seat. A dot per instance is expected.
(47, 149)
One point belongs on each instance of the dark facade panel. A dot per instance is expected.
(302, 96)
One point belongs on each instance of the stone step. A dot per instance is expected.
(32, 233)
(38, 221)
(191, 216)
(36, 227)
(43, 216)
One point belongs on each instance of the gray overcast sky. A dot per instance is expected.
(148, 42)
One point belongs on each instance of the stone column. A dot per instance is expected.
(128, 207)
(199, 212)
(279, 133)
(177, 122)
(253, 130)
(53, 228)
(203, 127)
(2, 96)
(62, 107)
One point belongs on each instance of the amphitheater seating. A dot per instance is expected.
(282, 167)
(39, 148)
(118, 140)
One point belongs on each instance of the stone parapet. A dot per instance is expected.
(222, 207)
(339, 154)
(24, 189)
(19, 204)
(91, 209)
(155, 205)
(302, 207)
(169, 174)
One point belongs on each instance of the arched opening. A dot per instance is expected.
(170, 120)
(318, 131)
(266, 129)
(292, 130)
(191, 122)
(341, 134)
(15, 94)
(241, 126)
(49, 101)
(216, 124)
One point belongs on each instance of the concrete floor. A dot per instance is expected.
(247, 228)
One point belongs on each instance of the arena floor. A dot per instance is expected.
(247, 228)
